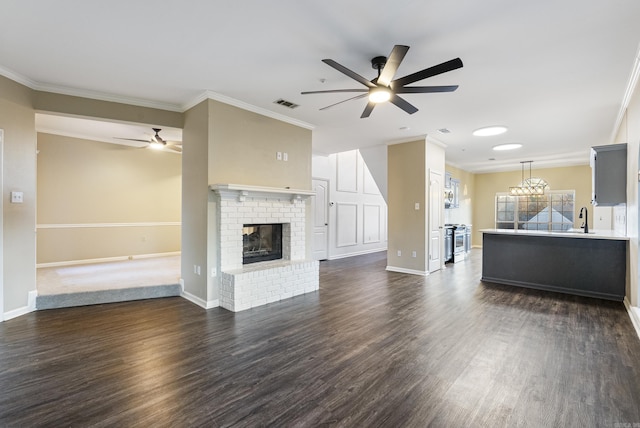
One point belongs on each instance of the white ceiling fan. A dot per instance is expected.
(156, 142)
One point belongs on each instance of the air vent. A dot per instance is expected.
(286, 103)
(444, 131)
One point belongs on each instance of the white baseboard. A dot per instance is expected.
(31, 307)
(634, 314)
(356, 253)
(106, 259)
(205, 304)
(409, 271)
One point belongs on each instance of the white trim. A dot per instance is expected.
(106, 259)
(10, 74)
(31, 307)
(628, 93)
(101, 225)
(409, 271)
(244, 106)
(241, 192)
(357, 253)
(634, 314)
(200, 302)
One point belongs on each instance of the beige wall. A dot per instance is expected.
(195, 199)
(406, 183)
(629, 132)
(486, 186)
(105, 110)
(224, 144)
(84, 182)
(243, 149)
(17, 119)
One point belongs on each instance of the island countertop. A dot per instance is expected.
(586, 264)
(572, 233)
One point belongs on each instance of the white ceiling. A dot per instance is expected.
(554, 72)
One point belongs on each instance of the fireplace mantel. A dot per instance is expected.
(242, 191)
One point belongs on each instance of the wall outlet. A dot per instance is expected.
(413, 254)
(278, 155)
(17, 197)
(399, 253)
(417, 206)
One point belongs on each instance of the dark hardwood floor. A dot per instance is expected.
(370, 349)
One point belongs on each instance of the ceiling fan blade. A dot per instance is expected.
(425, 89)
(344, 70)
(330, 91)
(344, 101)
(174, 149)
(132, 139)
(403, 104)
(393, 62)
(367, 110)
(427, 72)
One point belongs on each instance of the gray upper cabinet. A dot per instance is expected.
(609, 174)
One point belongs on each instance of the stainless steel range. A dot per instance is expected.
(458, 239)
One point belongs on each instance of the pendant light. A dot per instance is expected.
(529, 186)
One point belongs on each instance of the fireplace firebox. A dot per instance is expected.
(261, 242)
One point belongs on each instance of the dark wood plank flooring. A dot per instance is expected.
(370, 349)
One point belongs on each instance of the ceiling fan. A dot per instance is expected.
(383, 88)
(157, 142)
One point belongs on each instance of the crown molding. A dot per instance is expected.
(628, 93)
(101, 96)
(245, 106)
(95, 95)
(12, 75)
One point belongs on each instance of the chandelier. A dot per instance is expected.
(529, 186)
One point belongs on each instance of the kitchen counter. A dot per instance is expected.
(586, 264)
(572, 233)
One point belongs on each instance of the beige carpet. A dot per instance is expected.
(108, 276)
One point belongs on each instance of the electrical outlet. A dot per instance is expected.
(278, 155)
(17, 197)
(417, 206)
(399, 253)
(413, 254)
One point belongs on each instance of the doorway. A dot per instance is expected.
(108, 216)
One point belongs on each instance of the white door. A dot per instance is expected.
(320, 219)
(435, 226)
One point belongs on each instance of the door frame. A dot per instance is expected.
(327, 213)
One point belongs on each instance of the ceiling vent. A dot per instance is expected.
(286, 103)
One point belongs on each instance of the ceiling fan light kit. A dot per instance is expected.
(156, 142)
(384, 88)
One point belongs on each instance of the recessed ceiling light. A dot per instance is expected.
(508, 146)
(489, 131)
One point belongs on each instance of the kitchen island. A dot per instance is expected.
(587, 264)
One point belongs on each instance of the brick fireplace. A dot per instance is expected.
(244, 286)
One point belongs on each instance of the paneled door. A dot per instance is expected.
(435, 226)
(320, 219)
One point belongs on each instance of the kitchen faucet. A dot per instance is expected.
(585, 225)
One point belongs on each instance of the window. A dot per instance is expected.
(553, 211)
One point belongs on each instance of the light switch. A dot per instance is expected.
(285, 156)
(417, 206)
(17, 197)
(278, 155)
